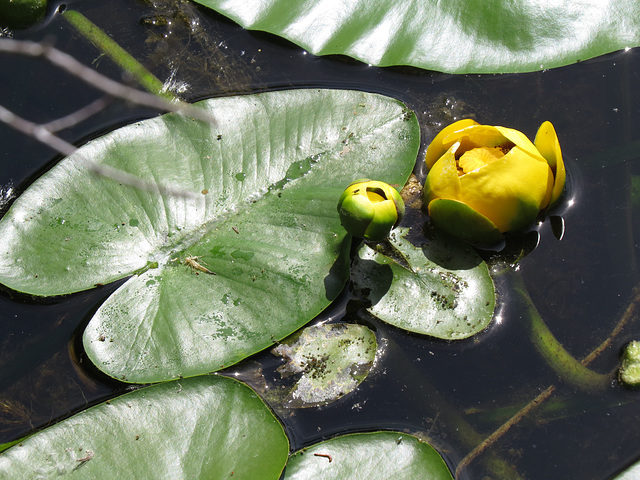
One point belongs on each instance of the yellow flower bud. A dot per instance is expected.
(370, 209)
(487, 180)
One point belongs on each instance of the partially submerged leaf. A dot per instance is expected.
(456, 36)
(252, 255)
(207, 427)
(15, 14)
(332, 360)
(441, 288)
(371, 456)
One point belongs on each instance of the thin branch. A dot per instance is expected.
(43, 135)
(36, 131)
(69, 64)
(504, 428)
(78, 116)
(629, 314)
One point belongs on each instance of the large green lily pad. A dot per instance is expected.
(207, 427)
(440, 288)
(456, 36)
(374, 456)
(252, 255)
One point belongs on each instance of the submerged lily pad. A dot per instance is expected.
(441, 288)
(207, 427)
(455, 36)
(332, 360)
(371, 456)
(254, 253)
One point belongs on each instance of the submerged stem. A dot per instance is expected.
(562, 362)
(458, 427)
(569, 368)
(119, 55)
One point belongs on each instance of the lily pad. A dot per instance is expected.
(332, 360)
(440, 288)
(207, 427)
(456, 36)
(631, 473)
(378, 455)
(252, 255)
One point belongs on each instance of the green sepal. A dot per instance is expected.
(463, 222)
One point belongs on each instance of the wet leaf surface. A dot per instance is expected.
(440, 287)
(379, 455)
(457, 36)
(207, 427)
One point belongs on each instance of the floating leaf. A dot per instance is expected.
(379, 455)
(333, 361)
(440, 288)
(206, 427)
(263, 221)
(456, 36)
(631, 473)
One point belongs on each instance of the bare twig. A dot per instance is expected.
(43, 135)
(69, 64)
(629, 314)
(78, 116)
(504, 428)
(36, 131)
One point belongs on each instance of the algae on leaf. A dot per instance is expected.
(331, 361)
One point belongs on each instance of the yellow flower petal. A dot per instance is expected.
(437, 148)
(478, 158)
(547, 143)
(442, 180)
(491, 178)
(491, 136)
(509, 191)
(521, 140)
(477, 136)
(374, 197)
(463, 222)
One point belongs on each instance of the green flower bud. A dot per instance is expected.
(370, 209)
(629, 373)
(17, 14)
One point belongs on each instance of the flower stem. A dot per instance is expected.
(450, 416)
(540, 331)
(120, 56)
(562, 362)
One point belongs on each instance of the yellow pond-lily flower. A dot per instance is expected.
(370, 209)
(486, 180)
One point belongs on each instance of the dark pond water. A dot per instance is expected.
(581, 285)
